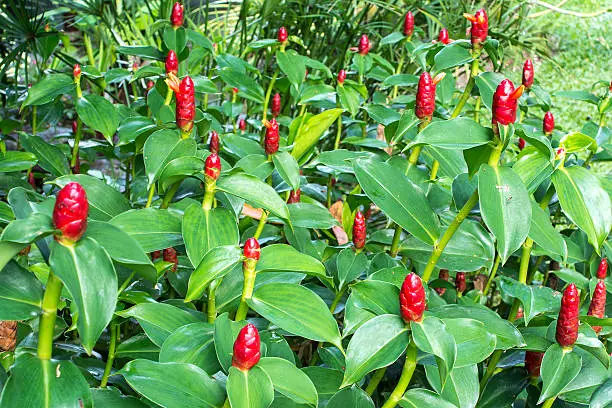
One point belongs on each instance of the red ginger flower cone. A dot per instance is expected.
(505, 102)
(425, 104)
(443, 36)
(76, 72)
(521, 143)
(272, 138)
(408, 24)
(364, 45)
(171, 63)
(341, 77)
(251, 249)
(412, 299)
(359, 230)
(185, 105)
(212, 168)
(70, 213)
(276, 105)
(460, 283)
(597, 307)
(480, 26)
(294, 196)
(246, 348)
(177, 15)
(548, 124)
(242, 124)
(568, 322)
(533, 362)
(283, 36)
(528, 74)
(444, 276)
(213, 146)
(170, 256)
(602, 269)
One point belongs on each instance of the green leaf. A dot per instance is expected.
(20, 293)
(49, 88)
(89, 275)
(45, 384)
(105, 202)
(544, 234)
(256, 165)
(420, 397)
(7, 251)
(292, 64)
(400, 80)
(249, 389)
(431, 336)
(297, 310)
(503, 388)
(173, 384)
(254, 190)
(289, 381)
(392, 38)
(133, 127)
(28, 230)
(376, 296)
(287, 168)
(535, 299)
(376, 344)
(111, 397)
(453, 134)
(247, 87)
(217, 263)
(461, 388)
(175, 39)
(193, 344)
(350, 266)
(159, 320)
(99, 114)
(285, 258)
(162, 147)
(533, 167)
(139, 346)
(583, 96)
(381, 114)
(179, 169)
(349, 99)
(152, 228)
(601, 396)
(353, 397)
(306, 215)
(576, 142)
(143, 51)
(505, 207)
(487, 83)
(50, 157)
(398, 197)
(17, 161)
(474, 342)
(585, 202)
(450, 57)
(559, 368)
(205, 230)
(312, 130)
(226, 332)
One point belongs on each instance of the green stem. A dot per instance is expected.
(495, 357)
(150, 198)
(247, 289)
(261, 225)
(268, 93)
(399, 70)
(126, 282)
(209, 198)
(375, 380)
(549, 402)
(169, 195)
(75, 147)
(111, 354)
(90, 55)
(168, 97)
(477, 109)
(33, 120)
(338, 133)
(47, 318)
(492, 276)
(211, 309)
(469, 86)
(525, 257)
(329, 191)
(336, 300)
(434, 170)
(396, 241)
(404, 380)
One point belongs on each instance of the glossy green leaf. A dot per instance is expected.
(601, 396)
(533, 167)
(89, 275)
(292, 64)
(50, 157)
(256, 165)
(454, 134)
(27, 230)
(180, 168)
(173, 384)
(399, 198)
(576, 142)
(249, 389)
(535, 299)
(297, 310)
(312, 130)
(431, 336)
(217, 263)
(285, 258)
(247, 87)
(139, 346)
(450, 57)
(99, 114)
(353, 397)
(20, 293)
(487, 83)
(559, 368)
(143, 51)
(17, 161)
(420, 397)
(461, 388)
(226, 332)
(48, 88)
(350, 265)
(289, 380)
(307, 215)
(162, 147)
(376, 296)
(193, 344)
(543, 232)
(152, 228)
(376, 344)
(400, 80)
(503, 388)
(112, 398)
(349, 99)
(288, 168)
(175, 38)
(505, 206)
(474, 342)
(381, 114)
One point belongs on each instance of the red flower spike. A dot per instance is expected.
(213, 146)
(212, 167)
(170, 256)
(156, 255)
(283, 36)
(443, 36)
(246, 348)
(460, 283)
(235, 90)
(602, 269)
(444, 276)
(528, 74)
(70, 213)
(294, 196)
(150, 85)
(74, 127)
(359, 230)
(548, 124)
(171, 63)
(533, 362)
(521, 143)
(272, 138)
(568, 322)
(425, 104)
(505, 101)
(76, 71)
(412, 298)
(251, 249)
(185, 105)
(242, 124)
(341, 77)
(177, 15)
(364, 45)
(408, 24)
(520, 313)
(480, 26)
(597, 307)
(276, 104)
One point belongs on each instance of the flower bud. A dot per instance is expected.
(294, 196)
(171, 63)
(341, 77)
(364, 45)
(460, 283)
(359, 230)
(76, 72)
(521, 143)
(408, 24)
(251, 249)
(213, 146)
(177, 15)
(602, 269)
(70, 213)
(480, 26)
(548, 124)
(155, 255)
(568, 322)
(444, 276)
(597, 307)
(443, 36)
(150, 85)
(212, 168)
(276, 104)
(185, 105)
(246, 348)
(272, 138)
(520, 313)
(242, 124)
(425, 104)
(32, 180)
(528, 74)
(8, 335)
(74, 127)
(560, 153)
(505, 102)
(282, 35)
(533, 362)
(170, 256)
(412, 299)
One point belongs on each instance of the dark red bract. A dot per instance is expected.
(533, 362)
(602, 269)
(76, 71)
(276, 104)
(425, 104)
(568, 322)
(521, 143)
(294, 196)
(480, 26)
(460, 283)
(170, 256)
(359, 230)
(242, 124)
(282, 35)
(597, 307)
(341, 76)
(251, 249)
(70, 213)
(408, 24)
(272, 138)
(213, 146)
(443, 36)
(548, 124)
(505, 102)
(212, 167)
(246, 348)
(412, 298)
(185, 105)
(171, 63)
(364, 45)
(444, 276)
(528, 74)
(177, 15)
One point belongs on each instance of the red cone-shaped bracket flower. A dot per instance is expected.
(412, 298)
(251, 249)
(359, 230)
(185, 105)
(521, 143)
(597, 307)
(246, 348)
(170, 256)
(444, 276)
(76, 71)
(567, 324)
(460, 283)
(294, 196)
(272, 137)
(212, 168)
(283, 36)
(74, 127)
(548, 124)
(533, 362)
(242, 124)
(171, 63)
(70, 213)
(602, 269)
(276, 104)
(505, 102)
(408, 24)
(480, 26)
(364, 45)
(528, 74)
(425, 104)
(177, 15)
(443, 36)
(341, 76)
(213, 146)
